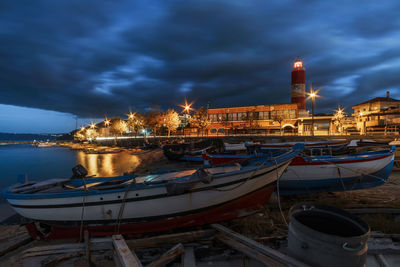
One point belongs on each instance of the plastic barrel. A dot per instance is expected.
(322, 235)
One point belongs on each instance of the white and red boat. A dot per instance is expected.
(148, 203)
(327, 173)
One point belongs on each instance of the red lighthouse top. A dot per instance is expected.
(298, 73)
(298, 64)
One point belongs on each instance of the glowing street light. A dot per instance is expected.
(83, 128)
(187, 107)
(131, 115)
(107, 122)
(312, 95)
(92, 125)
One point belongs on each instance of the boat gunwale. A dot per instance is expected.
(282, 159)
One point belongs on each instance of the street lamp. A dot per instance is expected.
(107, 122)
(187, 107)
(92, 125)
(312, 95)
(131, 115)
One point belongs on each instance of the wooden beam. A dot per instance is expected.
(95, 244)
(168, 256)
(373, 211)
(382, 261)
(51, 261)
(248, 251)
(16, 245)
(188, 257)
(170, 239)
(274, 254)
(126, 257)
(87, 245)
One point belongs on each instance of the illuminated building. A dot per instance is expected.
(253, 119)
(377, 114)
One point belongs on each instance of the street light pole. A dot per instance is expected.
(312, 94)
(312, 110)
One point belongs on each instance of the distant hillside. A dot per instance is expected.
(28, 137)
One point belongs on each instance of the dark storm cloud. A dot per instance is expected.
(92, 58)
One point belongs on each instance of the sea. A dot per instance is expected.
(40, 163)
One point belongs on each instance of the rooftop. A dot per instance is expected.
(379, 99)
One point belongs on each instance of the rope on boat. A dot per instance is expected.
(121, 209)
(83, 209)
(341, 179)
(245, 181)
(277, 191)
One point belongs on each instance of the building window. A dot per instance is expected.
(234, 116)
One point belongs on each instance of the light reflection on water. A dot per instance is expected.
(112, 164)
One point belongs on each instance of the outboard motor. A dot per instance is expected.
(79, 171)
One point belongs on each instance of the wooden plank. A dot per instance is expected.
(274, 254)
(188, 257)
(170, 239)
(16, 245)
(126, 257)
(383, 235)
(55, 259)
(49, 252)
(382, 261)
(96, 244)
(373, 211)
(168, 256)
(248, 251)
(87, 246)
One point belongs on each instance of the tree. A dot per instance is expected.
(251, 119)
(200, 119)
(154, 120)
(136, 123)
(171, 120)
(119, 126)
(279, 119)
(80, 134)
(338, 119)
(91, 133)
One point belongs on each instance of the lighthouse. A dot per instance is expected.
(298, 87)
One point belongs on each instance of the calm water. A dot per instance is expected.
(57, 162)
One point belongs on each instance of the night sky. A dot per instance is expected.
(61, 59)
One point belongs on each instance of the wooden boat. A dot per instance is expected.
(148, 203)
(396, 165)
(44, 144)
(334, 144)
(177, 151)
(328, 173)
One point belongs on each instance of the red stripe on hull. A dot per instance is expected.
(298, 161)
(238, 208)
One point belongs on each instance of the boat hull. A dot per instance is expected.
(336, 176)
(237, 208)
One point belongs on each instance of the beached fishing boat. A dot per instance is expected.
(148, 203)
(333, 144)
(337, 173)
(328, 173)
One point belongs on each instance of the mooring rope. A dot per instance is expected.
(346, 168)
(83, 209)
(248, 178)
(277, 191)
(121, 209)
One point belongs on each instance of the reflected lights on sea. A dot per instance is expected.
(110, 164)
